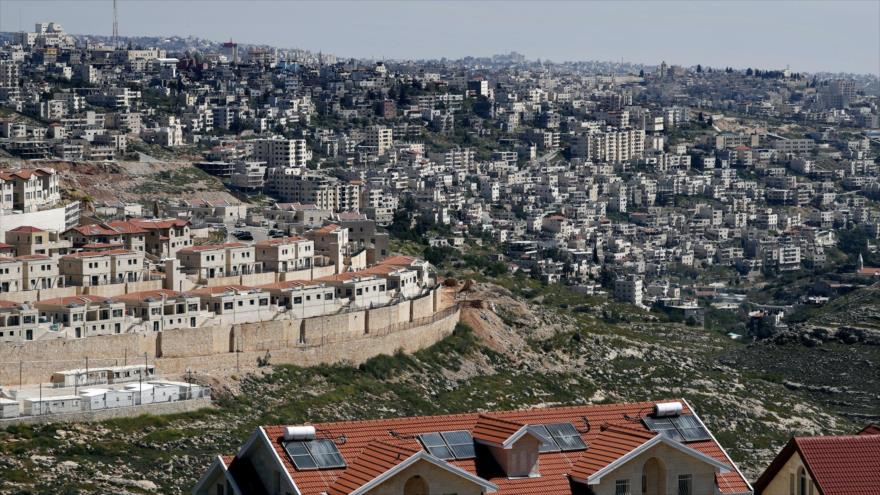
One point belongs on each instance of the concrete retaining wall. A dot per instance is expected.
(353, 336)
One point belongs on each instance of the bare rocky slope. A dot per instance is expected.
(527, 348)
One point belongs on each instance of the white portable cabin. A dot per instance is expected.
(148, 393)
(93, 399)
(184, 390)
(9, 408)
(34, 406)
(119, 398)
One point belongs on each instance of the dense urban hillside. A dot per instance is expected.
(527, 346)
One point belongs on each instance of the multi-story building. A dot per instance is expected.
(282, 153)
(381, 138)
(32, 240)
(219, 260)
(86, 315)
(19, 322)
(234, 304)
(164, 309)
(10, 275)
(286, 254)
(33, 189)
(40, 272)
(164, 238)
(302, 298)
(629, 289)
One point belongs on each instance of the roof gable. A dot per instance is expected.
(620, 446)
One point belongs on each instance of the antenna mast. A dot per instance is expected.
(115, 27)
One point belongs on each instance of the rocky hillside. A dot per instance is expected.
(533, 347)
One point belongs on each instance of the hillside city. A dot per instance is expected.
(182, 218)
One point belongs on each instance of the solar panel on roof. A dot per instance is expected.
(436, 446)
(314, 454)
(448, 445)
(690, 429)
(461, 443)
(682, 428)
(547, 442)
(664, 427)
(566, 436)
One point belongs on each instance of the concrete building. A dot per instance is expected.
(86, 315)
(286, 254)
(282, 153)
(164, 309)
(629, 289)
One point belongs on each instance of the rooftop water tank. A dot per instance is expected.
(300, 433)
(667, 409)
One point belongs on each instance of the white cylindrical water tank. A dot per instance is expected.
(299, 433)
(666, 409)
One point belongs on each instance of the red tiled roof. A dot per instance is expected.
(872, 429)
(376, 458)
(611, 444)
(839, 465)
(494, 430)
(843, 465)
(146, 294)
(158, 224)
(93, 229)
(555, 467)
(27, 228)
(64, 301)
(328, 229)
(125, 227)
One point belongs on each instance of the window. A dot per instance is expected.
(685, 484)
(621, 487)
(802, 481)
(227, 305)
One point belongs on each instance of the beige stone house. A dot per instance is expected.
(164, 309)
(286, 254)
(40, 272)
(10, 275)
(86, 315)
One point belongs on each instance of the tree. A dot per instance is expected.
(642, 73)
(699, 69)
(749, 71)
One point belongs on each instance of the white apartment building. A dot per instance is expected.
(282, 153)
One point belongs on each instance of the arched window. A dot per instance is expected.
(415, 486)
(802, 481)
